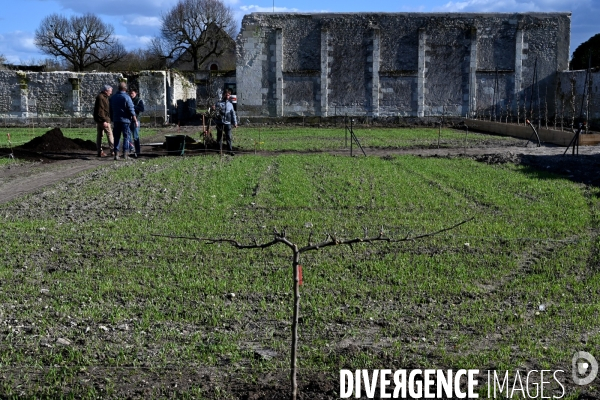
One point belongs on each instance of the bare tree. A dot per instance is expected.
(200, 28)
(82, 41)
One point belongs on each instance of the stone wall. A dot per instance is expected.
(181, 95)
(25, 95)
(152, 87)
(405, 64)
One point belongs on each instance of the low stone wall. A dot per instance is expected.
(32, 97)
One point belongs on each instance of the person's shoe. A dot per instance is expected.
(101, 154)
(134, 155)
(116, 156)
(125, 156)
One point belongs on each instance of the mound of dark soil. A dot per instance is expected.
(85, 144)
(55, 141)
(193, 144)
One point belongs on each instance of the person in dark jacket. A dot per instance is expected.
(122, 113)
(102, 118)
(138, 105)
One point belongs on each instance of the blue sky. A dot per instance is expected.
(137, 21)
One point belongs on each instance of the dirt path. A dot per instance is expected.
(19, 179)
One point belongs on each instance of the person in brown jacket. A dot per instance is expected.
(102, 118)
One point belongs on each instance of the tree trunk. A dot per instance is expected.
(195, 60)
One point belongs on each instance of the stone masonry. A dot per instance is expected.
(25, 95)
(405, 64)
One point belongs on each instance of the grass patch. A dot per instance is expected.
(79, 264)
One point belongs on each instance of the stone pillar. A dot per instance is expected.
(75, 96)
(472, 104)
(20, 103)
(421, 74)
(375, 60)
(325, 69)
(278, 96)
(519, 57)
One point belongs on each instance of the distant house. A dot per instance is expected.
(215, 74)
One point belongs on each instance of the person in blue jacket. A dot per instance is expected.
(122, 113)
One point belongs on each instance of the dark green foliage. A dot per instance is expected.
(582, 53)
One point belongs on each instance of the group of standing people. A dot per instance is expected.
(123, 110)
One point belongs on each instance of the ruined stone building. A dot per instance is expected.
(361, 64)
(400, 64)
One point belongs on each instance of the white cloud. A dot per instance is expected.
(138, 25)
(19, 48)
(132, 42)
(416, 8)
(254, 8)
(18, 41)
(143, 21)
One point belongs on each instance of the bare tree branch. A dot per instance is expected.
(279, 237)
(83, 41)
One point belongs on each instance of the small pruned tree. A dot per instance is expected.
(200, 28)
(83, 41)
(280, 237)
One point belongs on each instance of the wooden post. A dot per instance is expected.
(294, 355)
